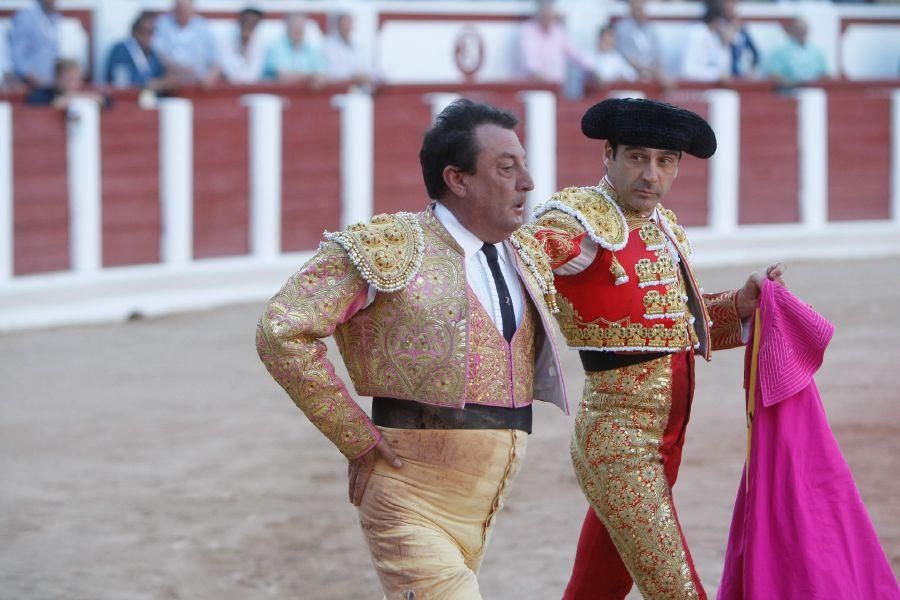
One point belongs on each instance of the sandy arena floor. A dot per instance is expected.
(157, 459)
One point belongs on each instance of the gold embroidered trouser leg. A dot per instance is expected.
(428, 523)
(617, 451)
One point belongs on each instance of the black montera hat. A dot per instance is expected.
(639, 122)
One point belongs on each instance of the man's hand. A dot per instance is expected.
(748, 296)
(360, 468)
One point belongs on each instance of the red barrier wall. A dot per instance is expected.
(769, 178)
(40, 191)
(129, 163)
(310, 177)
(858, 154)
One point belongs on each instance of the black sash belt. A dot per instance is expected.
(594, 360)
(406, 414)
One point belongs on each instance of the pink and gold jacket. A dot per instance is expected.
(625, 282)
(424, 337)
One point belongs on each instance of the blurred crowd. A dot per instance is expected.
(180, 48)
(718, 49)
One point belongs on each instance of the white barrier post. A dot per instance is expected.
(83, 157)
(357, 156)
(540, 144)
(724, 168)
(265, 174)
(895, 156)
(812, 141)
(439, 101)
(6, 196)
(176, 183)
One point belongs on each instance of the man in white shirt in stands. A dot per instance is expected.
(241, 50)
(707, 54)
(345, 61)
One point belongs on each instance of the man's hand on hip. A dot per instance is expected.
(360, 469)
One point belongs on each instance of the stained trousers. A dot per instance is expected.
(626, 450)
(429, 522)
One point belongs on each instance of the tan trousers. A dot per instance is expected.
(428, 523)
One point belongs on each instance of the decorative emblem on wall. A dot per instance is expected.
(469, 51)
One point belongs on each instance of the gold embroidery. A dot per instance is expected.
(617, 270)
(655, 273)
(726, 323)
(651, 235)
(307, 308)
(677, 231)
(621, 335)
(595, 210)
(669, 302)
(387, 251)
(488, 374)
(615, 446)
(529, 250)
(411, 344)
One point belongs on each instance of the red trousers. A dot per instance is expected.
(599, 573)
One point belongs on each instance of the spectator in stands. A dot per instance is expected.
(639, 43)
(608, 64)
(133, 62)
(34, 43)
(186, 45)
(744, 55)
(241, 51)
(68, 85)
(545, 47)
(796, 61)
(292, 59)
(345, 61)
(707, 52)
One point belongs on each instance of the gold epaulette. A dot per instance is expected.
(670, 223)
(594, 210)
(531, 253)
(387, 251)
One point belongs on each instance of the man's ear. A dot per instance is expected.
(455, 180)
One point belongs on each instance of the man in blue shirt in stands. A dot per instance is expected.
(133, 62)
(34, 43)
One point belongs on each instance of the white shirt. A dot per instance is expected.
(612, 66)
(238, 66)
(478, 273)
(344, 61)
(706, 57)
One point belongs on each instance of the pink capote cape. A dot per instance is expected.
(800, 530)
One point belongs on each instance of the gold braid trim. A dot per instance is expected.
(670, 223)
(387, 252)
(595, 210)
(538, 263)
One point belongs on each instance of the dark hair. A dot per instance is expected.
(144, 16)
(250, 11)
(714, 12)
(451, 141)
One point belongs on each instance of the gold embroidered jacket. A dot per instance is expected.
(424, 336)
(625, 281)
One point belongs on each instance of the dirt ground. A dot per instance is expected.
(156, 459)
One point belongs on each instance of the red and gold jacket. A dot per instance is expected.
(423, 337)
(624, 281)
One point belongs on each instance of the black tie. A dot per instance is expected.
(506, 307)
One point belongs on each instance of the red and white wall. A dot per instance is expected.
(217, 196)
